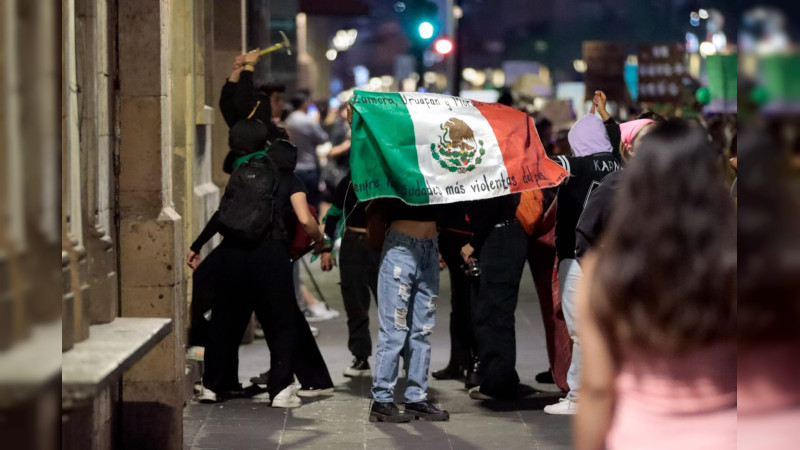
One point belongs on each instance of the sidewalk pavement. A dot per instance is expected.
(341, 421)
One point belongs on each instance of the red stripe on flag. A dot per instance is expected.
(523, 153)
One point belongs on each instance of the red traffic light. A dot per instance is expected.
(443, 46)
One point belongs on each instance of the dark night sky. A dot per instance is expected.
(498, 30)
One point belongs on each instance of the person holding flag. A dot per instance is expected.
(422, 152)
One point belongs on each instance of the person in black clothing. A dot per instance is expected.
(600, 203)
(454, 233)
(257, 276)
(593, 160)
(596, 214)
(499, 245)
(240, 99)
(358, 264)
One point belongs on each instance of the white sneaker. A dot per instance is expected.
(563, 407)
(319, 312)
(314, 392)
(261, 398)
(314, 331)
(207, 396)
(196, 353)
(401, 373)
(287, 398)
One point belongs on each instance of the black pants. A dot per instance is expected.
(462, 341)
(494, 300)
(359, 275)
(203, 281)
(259, 279)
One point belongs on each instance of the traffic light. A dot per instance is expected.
(421, 19)
(425, 29)
(443, 46)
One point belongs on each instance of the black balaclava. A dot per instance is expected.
(284, 154)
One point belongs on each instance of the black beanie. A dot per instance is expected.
(247, 136)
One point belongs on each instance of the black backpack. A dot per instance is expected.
(247, 208)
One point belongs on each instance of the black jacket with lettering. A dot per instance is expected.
(596, 214)
(586, 173)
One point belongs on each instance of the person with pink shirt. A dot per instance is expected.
(658, 304)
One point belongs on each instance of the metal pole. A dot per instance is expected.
(457, 52)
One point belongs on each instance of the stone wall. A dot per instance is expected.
(138, 128)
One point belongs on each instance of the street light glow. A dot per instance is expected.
(579, 65)
(331, 54)
(707, 48)
(425, 30)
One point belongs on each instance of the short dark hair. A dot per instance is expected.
(273, 86)
(298, 100)
(665, 280)
(768, 303)
(651, 115)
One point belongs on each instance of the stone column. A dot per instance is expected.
(96, 187)
(72, 207)
(39, 113)
(319, 31)
(151, 231)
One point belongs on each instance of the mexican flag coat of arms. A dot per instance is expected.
(431, 148)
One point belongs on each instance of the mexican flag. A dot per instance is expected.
(430, 148)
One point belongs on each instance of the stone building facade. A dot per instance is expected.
(140, 131)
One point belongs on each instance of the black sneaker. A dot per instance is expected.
(474, 377)
(359, 368)
(426, 411)
(545, 377)
(262, 378)
(387, 412)
(451, 372)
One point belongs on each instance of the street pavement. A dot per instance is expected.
(340, 421)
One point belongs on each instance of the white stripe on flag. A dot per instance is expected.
(427, 120)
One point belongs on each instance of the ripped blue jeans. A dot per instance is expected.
(408, 287)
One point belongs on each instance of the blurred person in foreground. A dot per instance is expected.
(769, 291)
(658, 305)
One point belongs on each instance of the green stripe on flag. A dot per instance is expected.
(383, 155)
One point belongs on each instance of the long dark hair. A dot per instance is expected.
(666, 277)
(768, 240)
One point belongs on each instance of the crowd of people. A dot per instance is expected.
(633, 258)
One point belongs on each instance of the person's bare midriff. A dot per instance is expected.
(419, 230)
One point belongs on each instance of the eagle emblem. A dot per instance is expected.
(457, 150)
